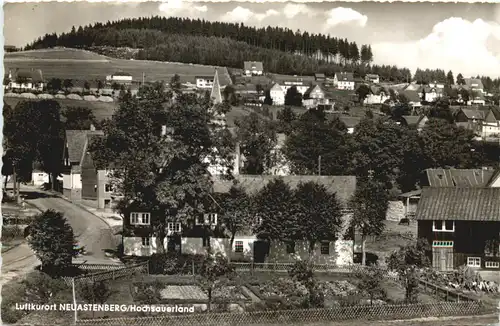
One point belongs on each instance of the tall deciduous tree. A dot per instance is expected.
(446, 145)
(293, 97)
(318, 146)
(275, 207)
(159, 148)
(78, 118)
(236, 211)
(286, 118)
(257, 139)
(318, 214)
(362, 91)
(369, 205)
(52, 240)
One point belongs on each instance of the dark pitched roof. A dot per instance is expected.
(459, 177)
(75, 140)
(461, 204)
(253, 65)
(412, 96)
(494, 178)
(35, 75)
(343, 186)
(319, 75)
(121, 73)
(474, 83)
(474, 113)
(411, 120)
(345, 76)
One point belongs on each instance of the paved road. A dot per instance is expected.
(91, 231)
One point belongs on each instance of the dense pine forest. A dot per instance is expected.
(225, 44)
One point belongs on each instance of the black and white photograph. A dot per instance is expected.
(256, 163)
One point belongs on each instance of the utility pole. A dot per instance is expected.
(319, 165)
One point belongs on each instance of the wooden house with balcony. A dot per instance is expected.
(462, 225)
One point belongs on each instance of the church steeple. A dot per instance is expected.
(216, 95)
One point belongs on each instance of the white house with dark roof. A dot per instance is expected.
(25, 79)
(277, 94)
(204, 82)
(372, 78)
(74, 147)
(344, 80)
(253, 68)
(377, 95)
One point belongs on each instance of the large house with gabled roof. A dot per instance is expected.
(207, 230)
(344, 80)
(24, 80)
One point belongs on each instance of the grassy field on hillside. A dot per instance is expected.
(84, 65)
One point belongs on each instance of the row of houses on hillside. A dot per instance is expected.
(458, 212)
(484, 121)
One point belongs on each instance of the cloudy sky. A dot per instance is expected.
(464, 37)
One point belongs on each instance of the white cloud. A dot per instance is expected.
(343, 15)
(241, 14)
(291, 10)
(175, 7)
(470, 48)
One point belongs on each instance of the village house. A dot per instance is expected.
(432, 93)
(316, 96)
(491, 124)
(319, 77)
(298, 82)
(462, 225)
(474, 84)
(208, 230)
(204, 82)
(475, 178)
(253, 68)
(24, 80)
(377, 95)
(277, 94)
(350, 122)
(472, 119)
(120, 78)
(74, 149)
(344, 80)
(413, 98)
(372, 78)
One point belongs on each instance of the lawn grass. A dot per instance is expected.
(393, 237)
(83, 65)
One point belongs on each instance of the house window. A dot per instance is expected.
(325, 247)
(290, 247)
(443, 226)
(108, 188)
(238, 246)
(140, 218)
(174, 227)
(442, 244)
(492, 264)
(146, 242)
(210, 219)
(474, 261)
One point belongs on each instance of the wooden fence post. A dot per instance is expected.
(192, 267)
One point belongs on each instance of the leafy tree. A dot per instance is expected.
(6, 81)
(407, 261)
(175, 84)
(50, 141)
(318, 146)
(78, 118)
(100, 85)
(369, 205)
(7, 168)
(149, 293)
(257, 139)
(381, 146)
(236, 211)
(215, 270)
(446, 145)
(268, 99)
(318, 214)
(460, 79)
(52, 240)
(465, 95)
(371, 282)
(293, 97)
(54, 85)
(275, 206)
(86, 86)
(362, 91)
(94, 292)
(441, 110)
(176, 183)
(286, 118)
(67, 84)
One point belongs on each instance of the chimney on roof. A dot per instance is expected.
(92, 127)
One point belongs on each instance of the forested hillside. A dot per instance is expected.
(224, 44)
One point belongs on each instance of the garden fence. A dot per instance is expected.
(111, 274)
(282, 317)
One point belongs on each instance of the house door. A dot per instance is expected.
(442, 255)
(260, 251)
